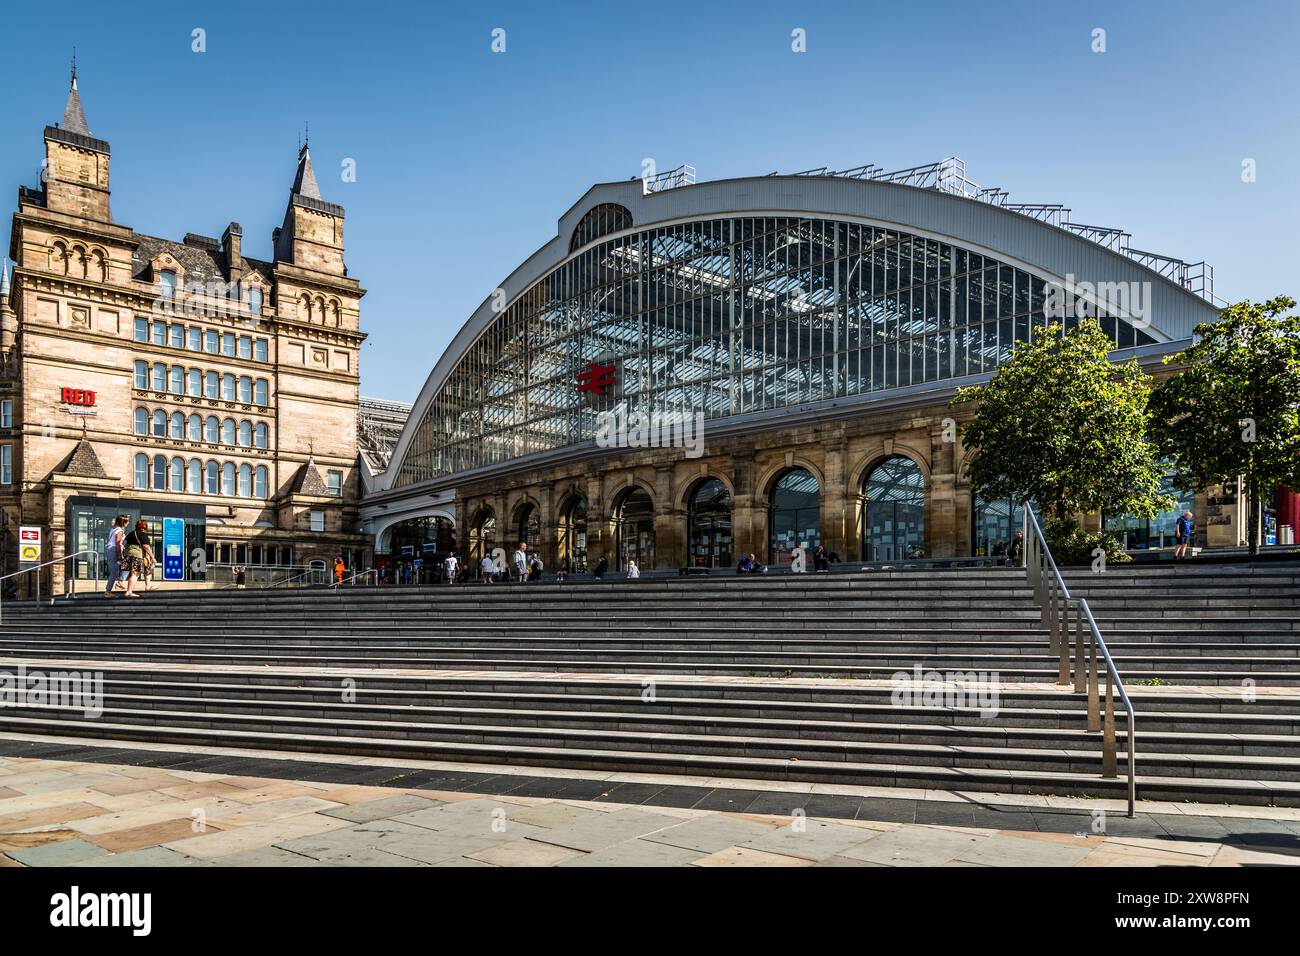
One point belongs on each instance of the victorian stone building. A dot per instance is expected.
(176, 380)
(814, 326)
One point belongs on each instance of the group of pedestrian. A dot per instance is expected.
(129, 555)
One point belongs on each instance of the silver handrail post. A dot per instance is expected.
(1063, 650)
(1079, 676)
(1108, 731)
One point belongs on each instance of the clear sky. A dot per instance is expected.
(465, 158)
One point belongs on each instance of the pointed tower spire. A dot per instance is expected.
(304, 183)
(74, 119)
(4, 281)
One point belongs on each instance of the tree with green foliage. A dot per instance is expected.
(1233, 410)
(1061, 425)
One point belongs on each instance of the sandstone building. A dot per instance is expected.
(176, 379)
(816, 325)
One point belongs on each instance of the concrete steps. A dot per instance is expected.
(719, 676)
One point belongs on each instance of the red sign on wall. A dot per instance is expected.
(78, 396)
(595, 378)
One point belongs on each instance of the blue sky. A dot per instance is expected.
(465, 159)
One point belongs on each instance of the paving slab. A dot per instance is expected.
(147, 857)
(914, 846)
(745, 856)
(811, 839)
(637, 853)
(382, 808)
(599, 832)
(1011, 851)
(710, 834)
(62, 853)
(524, 853)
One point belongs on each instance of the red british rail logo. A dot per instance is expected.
(595, 378)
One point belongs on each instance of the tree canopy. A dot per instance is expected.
(1061, 425)
(1233, 408)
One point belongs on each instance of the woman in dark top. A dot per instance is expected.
(139, 556)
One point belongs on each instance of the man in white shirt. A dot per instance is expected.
(488, 569)
(521, 562)
(449, 565)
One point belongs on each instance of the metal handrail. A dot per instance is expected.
(303, 574)
(1053, 596)
(67, 581)
(353, 578)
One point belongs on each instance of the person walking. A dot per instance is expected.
(632, 570)
(601, 567)
(114, 553)
(139, 556)
(1184, 528)
(487, 569)
(339, 568)
(449, 566)
(241, 577)
(563, 571)
(1017, 550)
(521, 562)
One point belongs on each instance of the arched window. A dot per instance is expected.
(159, 377)
(245, 481)
(142, 421)
(259, 482)
(228, 431)
(228, 387)
(210, 385)
(482, 535)
(528, 526)
(634, 529)
(194, 383)
(142, 471)
(159, 423)
(259, 435)
(246, 433)
(993, 525)
(176, 380)
(795, 516)
(245, 389)
(177, 427)
(228, 479)
(195, 428)
(211, 428)
(260, 389)
(572, 540)
(255, 301)
(195, 476)
(210, 478)
(159, 473)
(893, 511)
(708, 519)
(167, 284)
(601, 220)
(176, 475)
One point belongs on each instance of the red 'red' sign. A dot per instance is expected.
(78, 396)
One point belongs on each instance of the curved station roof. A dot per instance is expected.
(958, 242)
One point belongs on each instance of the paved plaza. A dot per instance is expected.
(130, 806)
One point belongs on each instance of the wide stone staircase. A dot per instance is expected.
(929, 678)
